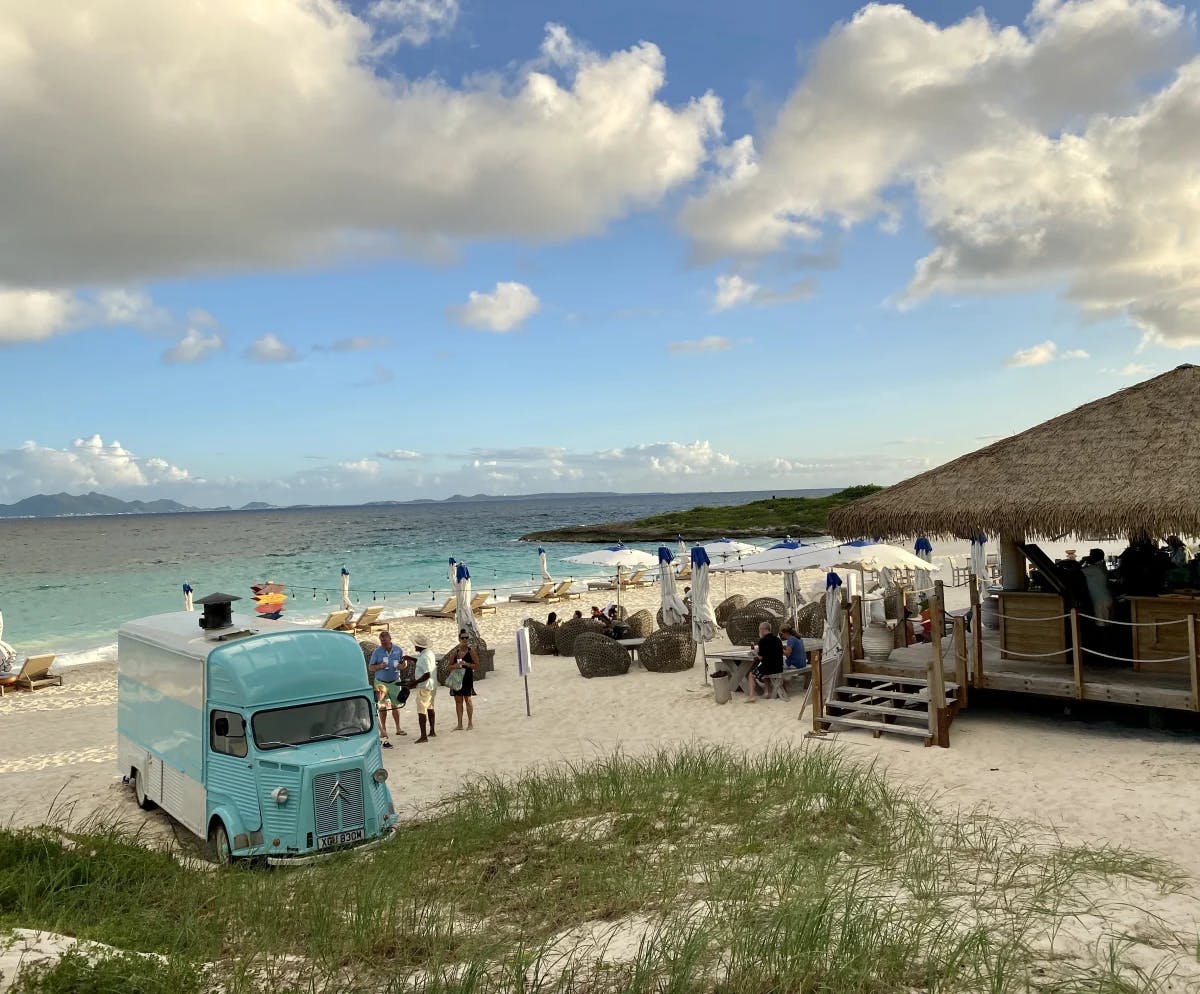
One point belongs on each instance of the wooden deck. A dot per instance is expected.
(1046, 679)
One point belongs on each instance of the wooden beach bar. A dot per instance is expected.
(1124, 468)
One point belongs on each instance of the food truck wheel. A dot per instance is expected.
(219, 849)
(139, 792)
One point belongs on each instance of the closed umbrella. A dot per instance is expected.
(831, 645)
(704, 619)
(346, 605)
(187, 597)
(979, 562)
(463, 614)
(8, 655)
(924, 550)
(542, 563)
(451, 573)
(674, 611)
(683, 551)
(792, 597)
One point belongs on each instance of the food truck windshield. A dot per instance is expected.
(294, 726)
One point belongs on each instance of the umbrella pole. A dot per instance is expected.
(704, 653)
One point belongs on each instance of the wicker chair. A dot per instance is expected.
(640, 624)
(772, 604)
(669, 650)
(486, 657)
(368, 646)
(728, 606)
(541, 638)
(566, 633)
(742, 626)
(598, 655)
(810, 620)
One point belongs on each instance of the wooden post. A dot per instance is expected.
(937, 673)
(847, 640)
(1076, 654)
(856, 610)
(977, 632)
(1193, 662)
(960, 660)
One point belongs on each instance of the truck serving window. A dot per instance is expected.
(294, 726)
(227, 733)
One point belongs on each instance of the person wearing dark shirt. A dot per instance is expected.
(770, 661)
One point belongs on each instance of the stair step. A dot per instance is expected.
(881, 709)
(895, 695)
(908, 681)
(878, 726)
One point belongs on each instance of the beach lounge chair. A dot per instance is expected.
(447, 610)
(602, 585)
(368, 621)
(539, 596)
(685, 573)
(563, 592)
(336, 620)
(638, 579)
(479, 604)
(34, 673)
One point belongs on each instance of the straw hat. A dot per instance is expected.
(421, 640)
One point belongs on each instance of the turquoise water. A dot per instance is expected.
(67, 584)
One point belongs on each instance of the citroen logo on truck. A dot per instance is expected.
(335, 792)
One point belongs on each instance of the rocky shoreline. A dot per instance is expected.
(632, 531)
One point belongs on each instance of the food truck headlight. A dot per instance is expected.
(379, 775)
(280, 794)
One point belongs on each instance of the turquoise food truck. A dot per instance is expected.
(257, 735)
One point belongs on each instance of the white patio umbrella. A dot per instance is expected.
(8, 655)
(674, 611)
(924, 550)
(704, 619)
(346, 605)
(463, 615)
(187, 597)
(723, 550)
(615, 556)
(542, 563)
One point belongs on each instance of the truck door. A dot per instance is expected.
(230, 774)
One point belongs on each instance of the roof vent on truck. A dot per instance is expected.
(218, 611)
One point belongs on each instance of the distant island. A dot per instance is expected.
(797, 516)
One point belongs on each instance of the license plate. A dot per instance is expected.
(340, 839)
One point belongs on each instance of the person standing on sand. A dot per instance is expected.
(386, 663)
(463, 660)
(425, 684)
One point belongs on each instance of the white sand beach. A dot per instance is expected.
(1095, 784)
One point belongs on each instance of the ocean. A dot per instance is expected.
(67, 584)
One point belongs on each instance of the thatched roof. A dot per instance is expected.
(1127, 462)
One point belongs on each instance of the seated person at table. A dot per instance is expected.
(794, 654)
(770, 660)
(578, 615)
(600, 617)
(919, 625)
(552, 619)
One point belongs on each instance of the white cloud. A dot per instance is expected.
(710, 343)
(359, 343)
(1034, 156)
(505, 308)
(87, 464)
(366, 467)
(399, 455)
(270, 348)
(1135, 369)
(413, 22)
(178, 145)
(734, 290)
(1042, 353)
(194, 346)
(35, 315)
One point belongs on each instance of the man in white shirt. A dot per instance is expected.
(425, 684)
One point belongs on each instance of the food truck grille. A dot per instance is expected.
(338, 801)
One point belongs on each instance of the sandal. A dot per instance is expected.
(387, 744)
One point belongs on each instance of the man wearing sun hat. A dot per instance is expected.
(425, 684)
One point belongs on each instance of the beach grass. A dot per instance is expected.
(696, 870)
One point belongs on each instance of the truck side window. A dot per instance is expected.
(228, 733)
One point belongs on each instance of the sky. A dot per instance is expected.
(307, 251)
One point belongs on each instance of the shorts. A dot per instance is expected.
(762, 672)
(425, 700)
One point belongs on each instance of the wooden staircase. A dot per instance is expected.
(895, 704)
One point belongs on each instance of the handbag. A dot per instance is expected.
(454, 679)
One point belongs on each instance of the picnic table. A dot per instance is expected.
(739, 662)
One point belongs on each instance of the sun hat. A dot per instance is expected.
(421, 640)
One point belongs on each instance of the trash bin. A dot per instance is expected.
(722, 687)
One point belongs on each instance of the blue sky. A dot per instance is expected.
(405, 248)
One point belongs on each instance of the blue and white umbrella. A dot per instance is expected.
(346, 604)
(704, 619)
(546, 577)
(463, 615)
(979, 563)
(924, 550)
(674, 611)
